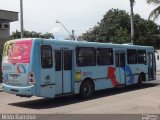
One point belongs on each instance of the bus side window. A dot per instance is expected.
(104, 56)
(117, 59)
(157, 57)
(67, 60)
(58, 60)
(132, 56)
(141, 55)
(46, 56)
(86, 56)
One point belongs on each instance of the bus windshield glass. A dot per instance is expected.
(17, 51)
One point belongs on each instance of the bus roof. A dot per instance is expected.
(84, 43)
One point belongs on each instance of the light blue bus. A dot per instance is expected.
(50, 68)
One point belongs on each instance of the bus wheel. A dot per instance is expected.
(140, 79)
(87, 89)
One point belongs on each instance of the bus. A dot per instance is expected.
(50, 68)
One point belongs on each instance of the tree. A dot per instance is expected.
(156, 12)
(106, 30)
(132, 20)
(32, 34)
(115, 27)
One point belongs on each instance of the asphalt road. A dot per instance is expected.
(128, 100)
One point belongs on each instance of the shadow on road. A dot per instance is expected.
(67, 100)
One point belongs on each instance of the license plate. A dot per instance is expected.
(14, 76)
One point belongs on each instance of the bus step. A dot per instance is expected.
(120, 86)
(65, 94)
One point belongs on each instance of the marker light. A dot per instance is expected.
(31, 78)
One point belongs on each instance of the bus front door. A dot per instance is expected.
(150, 66)
(63, 71)
(120, 67)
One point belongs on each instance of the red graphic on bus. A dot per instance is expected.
(112, 76)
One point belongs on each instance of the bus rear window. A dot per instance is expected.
(17, 51)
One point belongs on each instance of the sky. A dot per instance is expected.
(78, 15)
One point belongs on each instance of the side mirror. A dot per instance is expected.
(157, 57)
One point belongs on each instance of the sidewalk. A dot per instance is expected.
(1, 87)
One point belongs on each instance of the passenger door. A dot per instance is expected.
(63, 71)
(120, 62)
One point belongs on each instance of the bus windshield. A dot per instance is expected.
(17, 51)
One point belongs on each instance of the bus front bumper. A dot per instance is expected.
(20, 91)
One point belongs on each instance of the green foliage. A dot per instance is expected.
(121, 36)
(106, 30)
(115, 27)
(32, 34)
(156, 12)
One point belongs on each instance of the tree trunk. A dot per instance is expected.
(132, 22)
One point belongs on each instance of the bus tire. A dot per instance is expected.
(140, 79)
(87, 89)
